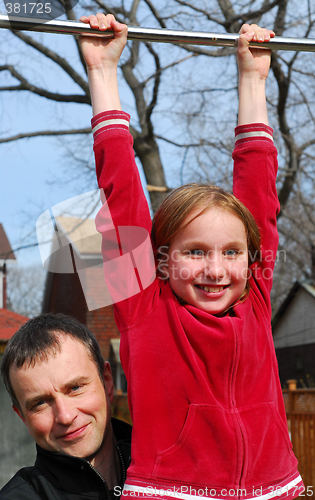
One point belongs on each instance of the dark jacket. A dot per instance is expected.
(56, 476)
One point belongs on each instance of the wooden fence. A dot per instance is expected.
(300, 409)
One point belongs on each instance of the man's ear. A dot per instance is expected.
(108, 379)
(19, 413)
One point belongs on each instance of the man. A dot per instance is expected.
(61, 389)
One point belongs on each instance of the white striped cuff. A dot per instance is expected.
(292, 489)
(110, 120)
(250, 135)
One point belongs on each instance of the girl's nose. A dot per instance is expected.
(214, 268)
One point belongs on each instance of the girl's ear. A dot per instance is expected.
(163, 258)
(163, 271)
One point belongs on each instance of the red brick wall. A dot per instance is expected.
(120, 408)
(101, 322)
(67, 296)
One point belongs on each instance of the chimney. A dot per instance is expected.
(6, 253)
(313, 264)
(3, 289)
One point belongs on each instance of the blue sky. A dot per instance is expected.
(28, 166)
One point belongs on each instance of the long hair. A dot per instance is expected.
(173, 214)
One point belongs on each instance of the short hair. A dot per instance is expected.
(39, 338)
(172, 216)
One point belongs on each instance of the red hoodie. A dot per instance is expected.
(204, 392)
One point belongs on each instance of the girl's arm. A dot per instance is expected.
(116, 170)
(101, 56)
(255, 157)
(253, 65)
(124, 219)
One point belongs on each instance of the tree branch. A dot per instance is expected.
(157, 81)
(229, 14)
(171, 65)
(156, 14)
(116, 11)
(217, 52)
(71, 16)
(135, 86)
(133, 11)
(46, 133)
(283, 82)
(306, 145)
(25, 85)
(62, 63)
(200, 11)
(49, 95)
(255, 14)
(186, 146)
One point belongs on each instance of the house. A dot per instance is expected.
(294, 335)
(6, 253)
(10, 322)
(17, 448)
(16, 445)
(75, 285)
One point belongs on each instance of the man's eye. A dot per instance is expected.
(76, 388)
(38, 404)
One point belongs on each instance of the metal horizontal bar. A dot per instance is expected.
(151, 34)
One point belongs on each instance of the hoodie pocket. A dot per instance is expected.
(269, 449)
(205, 452)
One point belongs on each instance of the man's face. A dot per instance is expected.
(63, 401)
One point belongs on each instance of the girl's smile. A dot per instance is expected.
(208, 261)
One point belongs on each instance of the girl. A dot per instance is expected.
(196, 343)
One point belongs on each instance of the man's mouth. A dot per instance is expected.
(73, 434)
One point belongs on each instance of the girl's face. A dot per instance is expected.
(208, 261)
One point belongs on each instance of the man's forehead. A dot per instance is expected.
(60, 368)
(66, 344)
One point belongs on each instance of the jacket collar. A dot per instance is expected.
(77, 475)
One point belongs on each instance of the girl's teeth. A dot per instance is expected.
(211, 289)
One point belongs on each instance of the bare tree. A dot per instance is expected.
(183, 101)
(25, 288)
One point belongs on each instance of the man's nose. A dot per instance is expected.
(64, 410)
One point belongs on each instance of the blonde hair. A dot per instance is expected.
(171, 216)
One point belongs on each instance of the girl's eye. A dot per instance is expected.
(197, 253)
(232, 252)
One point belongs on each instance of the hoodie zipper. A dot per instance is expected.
(233, 405)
